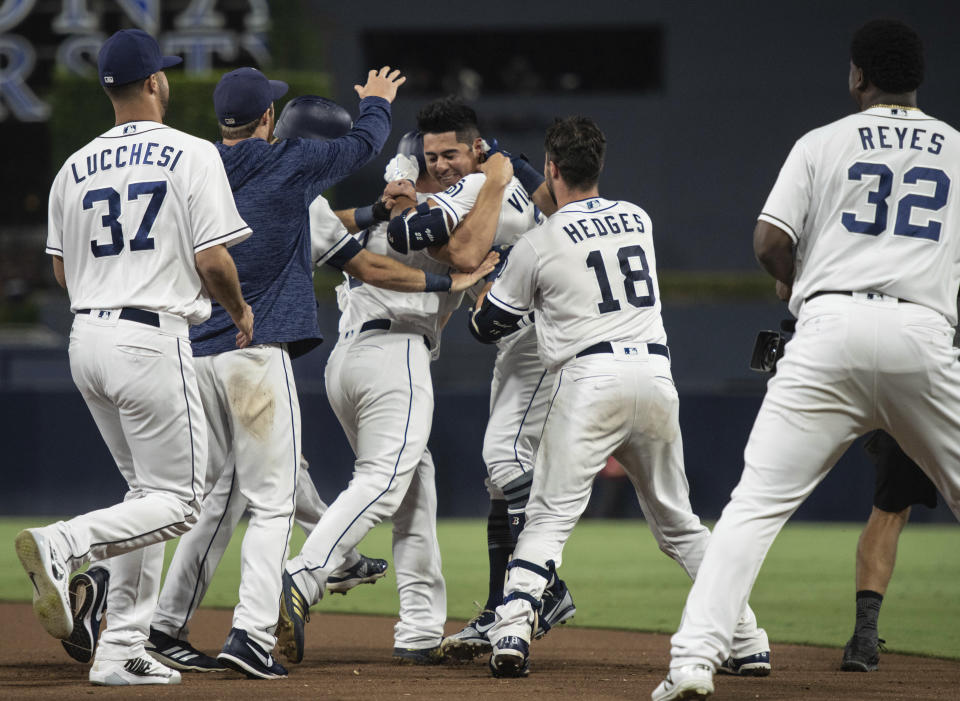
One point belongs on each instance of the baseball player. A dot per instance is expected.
(900, 483)
(138, 223)
(198, 554)
(590, 274)
(861, 228)
(379, 386)
(520, 389)
(249, 396)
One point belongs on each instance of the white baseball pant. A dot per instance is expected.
(519, 395)
(140, 386)
(199, 552)
(625, 405)
(380, 388)
(253, 417)
(855, 364)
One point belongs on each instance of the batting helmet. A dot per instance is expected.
(411, 144)
(312, 117)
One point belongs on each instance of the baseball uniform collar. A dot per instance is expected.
(133, 128)
(896, 111)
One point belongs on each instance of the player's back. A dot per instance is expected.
(127, 209)
(872, 201)
(595, 278)
(422, 312)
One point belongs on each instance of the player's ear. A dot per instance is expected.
(477, 148)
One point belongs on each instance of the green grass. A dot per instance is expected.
(619, 579)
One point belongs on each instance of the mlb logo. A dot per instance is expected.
(130, 128)
(592, 204)
(104, 314)
(108, 79)
(631, 350)
(229, 121)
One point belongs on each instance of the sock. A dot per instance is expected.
(517, 492)
(868, 611)
(500, 545)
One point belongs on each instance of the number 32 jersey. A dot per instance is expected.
(590, 273)
(129, 211)
(871, 203)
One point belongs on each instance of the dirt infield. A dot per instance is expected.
(348, 657)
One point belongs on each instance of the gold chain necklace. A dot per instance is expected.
(895, 107)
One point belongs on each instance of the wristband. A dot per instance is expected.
(528, 176)
(437, 283)
(364, 217)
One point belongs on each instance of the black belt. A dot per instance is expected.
(141, 316)
(607, 347)
(849, 293)
(384, 325)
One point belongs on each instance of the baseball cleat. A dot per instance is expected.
(132, 672)
(245, 656)
(472, 641)
(556, 607)
(511, 657)
(179, 654)
(693, 681)
(48, 573)
(88, 600)
(418, 655)
(756, 665)
(294, 614)
(861, 655)
(367, 571)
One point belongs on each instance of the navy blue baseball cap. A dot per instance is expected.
(244, 94)
(131, 55)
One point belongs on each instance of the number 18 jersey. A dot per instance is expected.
(871, 203)
(129, 211)
(590, 273)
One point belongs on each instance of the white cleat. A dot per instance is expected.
(685, 683)
(51, 580)
(135, 671)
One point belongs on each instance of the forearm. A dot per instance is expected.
(382, 271)
(473, 238)
(347, 218)
(773, 249)
(544, 200)
(219, 275)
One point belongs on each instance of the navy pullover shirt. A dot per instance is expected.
(273, 186)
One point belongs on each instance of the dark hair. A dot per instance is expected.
(125, 92)
(449, 114)
(577, 146)
(890, 54)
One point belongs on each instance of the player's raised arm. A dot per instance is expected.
(219, 275)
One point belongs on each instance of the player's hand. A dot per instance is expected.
(245, 326)
(402, 167)
(784, 291)
(497, 168)
(462, 281)
(400, 188)
(382, 83)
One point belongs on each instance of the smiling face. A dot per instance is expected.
(448, 160)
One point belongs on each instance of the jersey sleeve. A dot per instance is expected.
(514, 290)
(458, 199)
(54, 244)
(330, 242)
(213, 211)
(789, 201)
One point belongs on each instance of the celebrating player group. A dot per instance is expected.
(189, 268)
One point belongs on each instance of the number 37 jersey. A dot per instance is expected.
(590, 273)
(129, 211)
(872, 203)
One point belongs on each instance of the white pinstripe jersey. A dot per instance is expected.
(872, 202)
(129, 211)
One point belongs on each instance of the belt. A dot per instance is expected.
(384, 325)
(141, 316)
(606, 347)
(850, 293)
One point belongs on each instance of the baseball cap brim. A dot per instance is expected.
(278, 89)
(169, 61)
